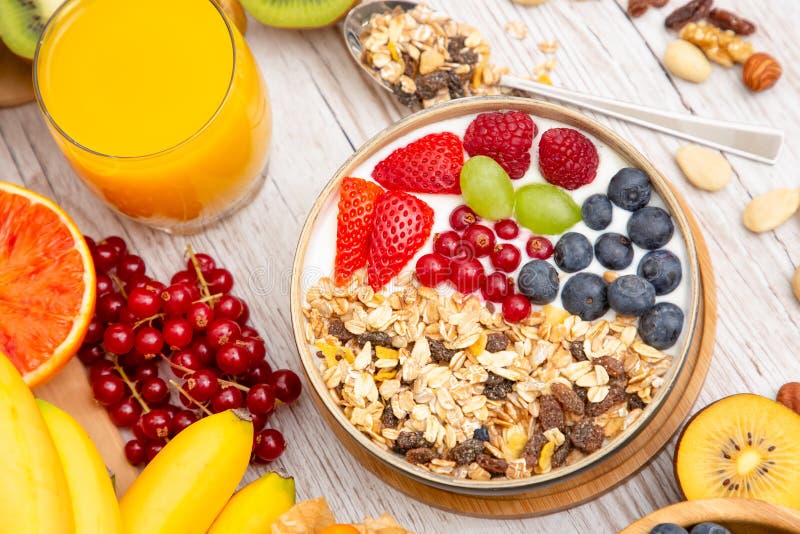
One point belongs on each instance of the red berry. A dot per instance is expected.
(109, 307)
(504, 136)
(506, 229)
(462, 218)
(219, 280)
(177, 332)
(152, 449)
(203, 350)
(134, 452)
(222, 331)
(200, 315)
(242, 320)
(448, 244)
(131, 361)
(496, 287)
(104, 285)
(229, 307)
(202, 385)
(88, 354)
(156, 423)
(125, 413)
(182, 419)
(261, 399)
(186, 359)
(249, 331)
(126, 317)
(255, 347)
(353, 224)
(146, 370)
(99, 369)
(138, 432)
(154, 390)
(149, 341)
(176, 299)
(259, 422)
(269, 445)
(118, 338)
(109, 390)
(539, 247)
(94, 332)
(228, 398)
(287, 385)
(233, 359)
(90, 243)
(259, 373)
(129, 267)
(467, 275)
(184, 277)
(117, 243)
(567, 158)
(432, 269)
(204, 261)
(479, 239)
(105, 257)
(516, 308)
(431, 164)
(506, 257)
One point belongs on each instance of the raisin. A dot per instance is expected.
(613, 366)
(636, 8)
(576, 349)
(691, 12)
(336, 329)
(429, 85)
(320, 355)
(439, 353)
(586, 436)
(407, 99)
(561, 453)
(376, 338)
(411, 65)
(550, 413)
(567, 397)
(497, 342)
(459, 53)
(481, 433)
(388, 418)
(615, 395)
(495, 466)
(410, 440)
(635, 401)
(455, 85)
(533, 449)
(467, 451)
(497, 387)
(420, 455)
(726, 20)
(582, 393)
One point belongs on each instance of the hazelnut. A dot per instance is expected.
(761, 71)
(789, 396)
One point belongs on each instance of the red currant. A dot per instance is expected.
(448, 244)
(152, 449)
(129, 267)
(506, 257)
(204, 261)
(182, 419)
(255, 347)
(184, 277)
(134, 452)
(203, 350)
(104, 285)
(269, 445)
(249, 331)
(146, 370)
(105, 257)
(118, 338)
(462, 217)
(506, 229)
(200, 315)
(109, 390)
(496, 287)
(154, 390)
(88, 354)
(261, 399)
(516, 308)
(539, 247)
(219, 280)
(229, 307)
(109, 307)
(100, 369)
(432, 269)
(177, 332)
(222, 331)
(232, 359)
(245, 315)
(259, 373)
(185, 359)
(126, 317)
(259, 422)
(156, 423)
(176, 299)
(90, 244)
(467, 275)
(228, 398)
(479, 239)
(202, 385)
(117, 243)
(125, 413)
(149, 341)
(94, 332)
(287, 385)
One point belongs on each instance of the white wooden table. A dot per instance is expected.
(324, 109)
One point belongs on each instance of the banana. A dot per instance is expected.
(254, 507)
(187, 484)
(34, 497)
(94, 503)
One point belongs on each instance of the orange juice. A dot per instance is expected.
(158, 105)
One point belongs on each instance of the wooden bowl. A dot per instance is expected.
(302, 276)
(740, 516)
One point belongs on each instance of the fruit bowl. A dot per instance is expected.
(316, 249)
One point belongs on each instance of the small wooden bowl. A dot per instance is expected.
(302, 274)
(740, 516)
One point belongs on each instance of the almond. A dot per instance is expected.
(704, 168)
(685, 60)
(770, 210)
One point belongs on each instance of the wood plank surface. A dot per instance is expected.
(324, 108)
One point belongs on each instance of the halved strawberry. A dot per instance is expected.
(353, 225)
(431, 164)
(402, 226)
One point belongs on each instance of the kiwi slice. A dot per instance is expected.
(22, 22)
(296, 13)
(741, 446)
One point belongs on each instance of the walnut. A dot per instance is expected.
(761, 71)
(720, 46)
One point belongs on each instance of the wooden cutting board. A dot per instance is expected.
(16, 84)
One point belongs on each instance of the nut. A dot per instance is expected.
(705, 169)
(796, 283)
(789, 396)
(770, 210)
(723, 47)
(529, 2)
(761, 71)
(686, 61)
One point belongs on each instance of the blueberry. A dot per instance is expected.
(650, 227)
(585, 295)
(668, 528)
(573, 252)
(661, 268)
(613, 251)
(661, 325)
(481, 433)
(629, 189)
(596, 212)
(709, 528)
(538, 280)
(631, 295)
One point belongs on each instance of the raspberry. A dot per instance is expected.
(504, 136)
(567, 158)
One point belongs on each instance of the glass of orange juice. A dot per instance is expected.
(158, 105)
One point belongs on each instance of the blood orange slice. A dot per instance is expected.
(47, 284)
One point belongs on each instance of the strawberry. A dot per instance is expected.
(504, 136)
(431, 164)
(567, 158)
(353, 225)
(402, 226)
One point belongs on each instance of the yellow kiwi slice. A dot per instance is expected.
(741, 446)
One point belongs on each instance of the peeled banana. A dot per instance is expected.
(254, 507)
(94, 503)
(34, 496)
(188, 483)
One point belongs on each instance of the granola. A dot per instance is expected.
(416, 375)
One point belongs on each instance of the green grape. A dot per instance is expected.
(486, 188)
(545, 209)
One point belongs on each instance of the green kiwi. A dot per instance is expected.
(296, 13)
(22, 22)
